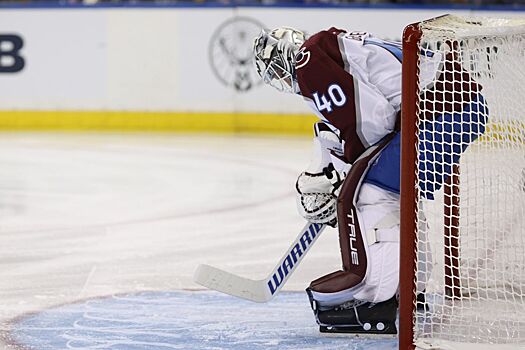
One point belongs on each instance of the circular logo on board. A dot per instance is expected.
(231, 53)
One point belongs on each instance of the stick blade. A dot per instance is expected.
(228, 283)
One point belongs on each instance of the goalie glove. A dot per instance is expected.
(317, 195)
(326, 147)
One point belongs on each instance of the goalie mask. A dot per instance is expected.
(275, 57)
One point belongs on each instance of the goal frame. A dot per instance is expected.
(408, 193)
(408, 198)
(457, 263)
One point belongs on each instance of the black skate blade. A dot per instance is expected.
(388, 329)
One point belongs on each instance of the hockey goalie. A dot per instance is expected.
(352, 81)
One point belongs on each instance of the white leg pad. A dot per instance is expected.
(382, 280)
(379, 211)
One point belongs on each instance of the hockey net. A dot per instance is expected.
(463, 185)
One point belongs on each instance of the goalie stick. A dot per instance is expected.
(265, 289)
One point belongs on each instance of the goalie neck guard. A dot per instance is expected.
(275, 52)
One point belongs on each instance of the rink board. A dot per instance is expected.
(116, 66)
(254, 123)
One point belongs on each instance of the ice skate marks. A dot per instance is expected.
(182, 320)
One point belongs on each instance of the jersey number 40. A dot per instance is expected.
(335, 96)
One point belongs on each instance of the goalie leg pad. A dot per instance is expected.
(360, 298)
(351, 228)
(335, 288)
(341, 286)
(357, 317)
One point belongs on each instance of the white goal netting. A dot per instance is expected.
(471, 182)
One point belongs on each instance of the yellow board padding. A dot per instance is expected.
(510, 131)
(262, 123)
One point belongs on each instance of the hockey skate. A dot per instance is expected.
(357, 317)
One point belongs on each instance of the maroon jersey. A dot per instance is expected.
(353, 83)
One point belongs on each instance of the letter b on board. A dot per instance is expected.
(10, 59)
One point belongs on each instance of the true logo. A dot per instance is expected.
(353, 250)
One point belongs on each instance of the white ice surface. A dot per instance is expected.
(88, 215)
(203, 320)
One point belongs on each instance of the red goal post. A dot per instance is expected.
(408, 197)
(462, 222)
